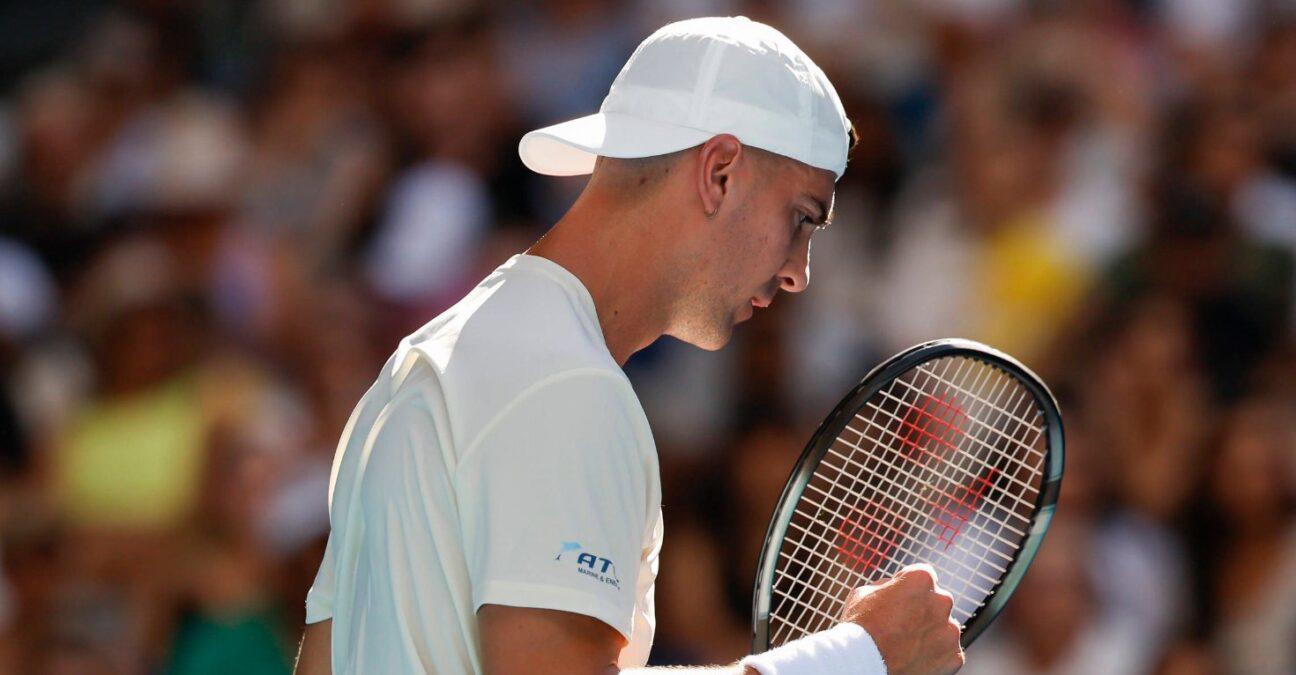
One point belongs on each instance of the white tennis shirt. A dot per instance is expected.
(501, 457)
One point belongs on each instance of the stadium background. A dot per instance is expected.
(217, 217)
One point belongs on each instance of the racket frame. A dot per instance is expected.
(836, 422)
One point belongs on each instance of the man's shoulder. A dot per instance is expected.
(528, 311)
(527, 325)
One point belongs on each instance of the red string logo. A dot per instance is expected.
(931, 427)
(867, 537)
(954, 508)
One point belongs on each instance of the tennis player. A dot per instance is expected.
(495, 500)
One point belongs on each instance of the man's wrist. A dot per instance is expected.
(845, 649)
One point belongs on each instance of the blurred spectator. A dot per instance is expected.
(28, 296)
(28, 306)
(316, 164)
(1266, 205)
(423, 252)
(1149, 410)
(422, 256)
(319, 153)
(559, 58)
(976, 251)
(697, 625)
(146, 413)
(55, 142)
(1056, 624)
(1188, 658)
(1143, 421)
(1252, 549)
(563, 54)
(1145, 566)
(1237, 292)
(231, 623)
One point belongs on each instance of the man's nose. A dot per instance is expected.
(795, 275)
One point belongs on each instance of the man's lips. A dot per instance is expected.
(761, 302)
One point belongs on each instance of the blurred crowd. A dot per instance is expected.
(218, 217)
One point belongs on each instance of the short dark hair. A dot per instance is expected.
(644, 170)
(637, 172)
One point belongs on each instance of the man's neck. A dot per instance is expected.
(619, 260)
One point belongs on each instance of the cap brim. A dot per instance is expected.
(569, 148)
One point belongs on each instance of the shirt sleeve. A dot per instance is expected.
(555, 497)
(319, 599)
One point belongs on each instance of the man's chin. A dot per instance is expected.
(711, 346)
(713, 339)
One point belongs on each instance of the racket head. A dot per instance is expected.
(861, 539)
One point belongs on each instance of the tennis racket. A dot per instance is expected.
(950, 453)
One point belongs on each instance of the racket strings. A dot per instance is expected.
(839, 584)
(840, 587)
(972, 475)
(966, 471)
(812, 569)
(893, 546)
(998, 414)
(972, 573)
(985, 446)
(941, 471)
(912, 523)
(956, 502)
(1035, 455)
(895, 514)
(816, 567)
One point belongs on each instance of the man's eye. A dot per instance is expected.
(804, 220)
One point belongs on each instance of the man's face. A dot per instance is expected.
(756, 245)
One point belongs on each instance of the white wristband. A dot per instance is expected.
(845, 649)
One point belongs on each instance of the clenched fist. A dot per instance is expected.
(908, 617)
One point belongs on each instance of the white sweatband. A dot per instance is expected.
(845, 649)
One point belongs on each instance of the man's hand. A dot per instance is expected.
(908, 618)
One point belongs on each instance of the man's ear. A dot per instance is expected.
(716, 163)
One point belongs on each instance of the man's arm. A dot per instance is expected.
(542, 641)
(907, 617)
(316, 652)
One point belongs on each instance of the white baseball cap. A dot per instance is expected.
(692, 80)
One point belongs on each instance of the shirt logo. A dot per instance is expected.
(568, 547)
(589, 564)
